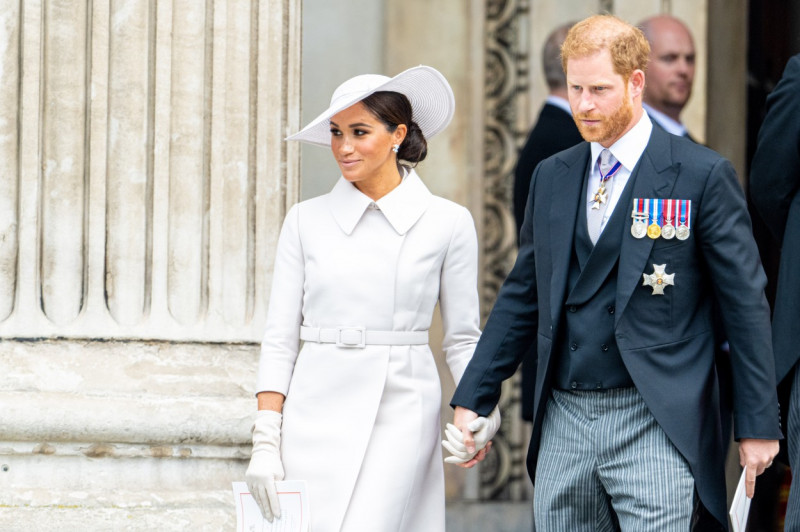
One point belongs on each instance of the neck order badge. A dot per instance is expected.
(607, 171)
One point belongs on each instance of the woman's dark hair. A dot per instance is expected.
(393, 109)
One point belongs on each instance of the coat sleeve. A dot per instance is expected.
(281, 341)
(775, 171)
(729, 250)
(510, 329)
(458, 295)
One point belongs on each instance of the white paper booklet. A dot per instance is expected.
(293, 498)
(740, 507)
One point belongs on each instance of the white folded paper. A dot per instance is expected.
(740, 507)
(293, 498)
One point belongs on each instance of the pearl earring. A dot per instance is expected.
(396, 148)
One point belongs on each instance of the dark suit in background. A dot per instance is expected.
(774, 184)
(554, 131)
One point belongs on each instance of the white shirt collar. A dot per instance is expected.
(629, 149)
(402, 207)
(672, 126)
(559, 102)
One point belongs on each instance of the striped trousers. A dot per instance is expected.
(792, 520)
(605, 464)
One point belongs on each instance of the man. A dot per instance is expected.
(554, 131)
(670, 73)
(774, 182)
(627, 238)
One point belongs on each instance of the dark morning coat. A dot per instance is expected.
(774, 182)
(555, 130)
(666, 342)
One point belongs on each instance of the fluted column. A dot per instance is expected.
(10, 33)
(144, 165)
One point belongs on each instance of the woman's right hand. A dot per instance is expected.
(265, 463)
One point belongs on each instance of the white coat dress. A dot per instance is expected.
(362, 425)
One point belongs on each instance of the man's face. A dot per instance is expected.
(602, 102)
(671, 71)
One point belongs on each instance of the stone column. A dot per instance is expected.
(144, 181)
(727, 82)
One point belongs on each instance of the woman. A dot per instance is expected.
(358, 273)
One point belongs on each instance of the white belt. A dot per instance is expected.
(359, 336)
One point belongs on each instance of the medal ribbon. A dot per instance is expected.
(637, 207)
(668, 215)
(654, 215)
(610, 174)
(685, 212)
(688, 214)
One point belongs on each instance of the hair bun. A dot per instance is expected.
(414, 148)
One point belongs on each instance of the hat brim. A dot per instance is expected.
(430, 95)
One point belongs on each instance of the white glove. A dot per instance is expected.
(265, 463)
(483, 430)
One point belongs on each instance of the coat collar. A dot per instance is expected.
(402, 207)
(604, 254)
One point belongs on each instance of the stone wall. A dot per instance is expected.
(143, 182)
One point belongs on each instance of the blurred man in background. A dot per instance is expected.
(670, 73)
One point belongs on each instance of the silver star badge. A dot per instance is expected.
(658, 279)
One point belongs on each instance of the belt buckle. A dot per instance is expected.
(341, 341)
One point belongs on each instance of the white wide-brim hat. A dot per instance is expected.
(432, 101)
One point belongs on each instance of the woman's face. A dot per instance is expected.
(362, 146)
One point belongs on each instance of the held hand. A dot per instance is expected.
(265, 463)
(460, 444)
(454, 443)
(484, 428)
(468, 440)
(756, 455)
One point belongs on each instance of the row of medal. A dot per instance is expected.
(664, 218)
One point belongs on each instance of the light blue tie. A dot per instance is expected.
(595, 217)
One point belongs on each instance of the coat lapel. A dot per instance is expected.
(347, 205)
(406, 204)
(655, 177)
(566, 197)
(604, 255)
